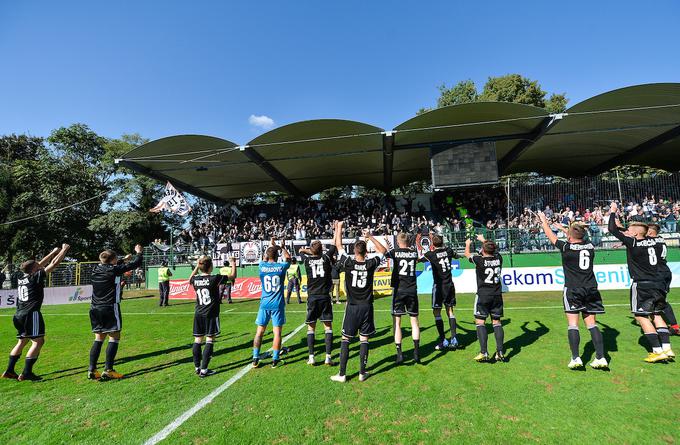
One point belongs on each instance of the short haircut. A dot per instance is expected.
(403, 238)
(316, 247)
(205, 264)
(27, 266)
(437, 241)
(107, 256)
(489, 247)
(640, 224)
(654, 226)
(271, 253)
(360, 248)
(577, 231)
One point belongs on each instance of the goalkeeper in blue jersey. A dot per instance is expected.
(272, 303)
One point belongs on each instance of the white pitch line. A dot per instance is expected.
(235, 312)
(165, 432)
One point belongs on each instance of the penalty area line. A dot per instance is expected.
(165, 432)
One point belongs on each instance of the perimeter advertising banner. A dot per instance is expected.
(251, 287)
(531, 279)
(53, 295)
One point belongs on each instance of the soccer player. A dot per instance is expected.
(405, 294)
(105, 316)
(648, 292)
(28, 320)
(318, 266)
(207, 315)
(294, 279)
(581, 295)
(272, 304)
(443, 290)
(666, 275)
(164, 274)
(489, 298)
(358, 319)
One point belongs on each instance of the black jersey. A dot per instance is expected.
(106, 288)
(488, 270)
(359, 278)
(319, 269)
(577, 262)
(661, 254)
(31, 291)
(207, 289)
(642, 256)
(404, 269)
(440, 259)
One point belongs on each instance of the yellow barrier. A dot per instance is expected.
(381, 284)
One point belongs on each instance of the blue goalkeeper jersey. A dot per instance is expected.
(272, 276)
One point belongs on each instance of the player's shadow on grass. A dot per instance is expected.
(609, 335)
(526, 338)
(189, 359)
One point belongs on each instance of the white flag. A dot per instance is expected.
(172, 201)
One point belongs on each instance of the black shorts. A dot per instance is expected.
(206, 325)
(647, 299)
(443, 295)
(319, 308)
(667, 279)
(488, 305)
(403, 303)
(105, 319)
(358, 319)
(29, 325)
(582, 299)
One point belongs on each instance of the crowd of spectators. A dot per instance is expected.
(448, 213)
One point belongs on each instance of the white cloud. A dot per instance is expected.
(264, 122)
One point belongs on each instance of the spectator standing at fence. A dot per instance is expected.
(335, 275)
(225, 286)
(139, 277)
(294, 279)
(164, 274)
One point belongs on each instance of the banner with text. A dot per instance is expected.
(53, 295)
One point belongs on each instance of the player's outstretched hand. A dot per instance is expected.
(541, 216)
(613, 207)
(139, 249)
(366, 233)
(65, 247)
(468, 241)
(481, 238)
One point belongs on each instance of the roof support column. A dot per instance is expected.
(388, 160)
(523, 145)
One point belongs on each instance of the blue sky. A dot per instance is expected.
(174, 67)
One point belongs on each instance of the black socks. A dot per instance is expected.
(95, 350)
(574, 340)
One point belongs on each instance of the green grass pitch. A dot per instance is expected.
(449, 398)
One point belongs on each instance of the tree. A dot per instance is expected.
(509, 88)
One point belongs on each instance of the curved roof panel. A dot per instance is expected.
(633, 125)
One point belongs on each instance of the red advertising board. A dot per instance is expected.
(243, 288)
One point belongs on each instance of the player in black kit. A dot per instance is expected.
(666, 275)
(207, 314)
(648, 292)
(28, 320)
(105, 316)
(443, 290)
(358, 319)
(318, 267)
(489, 298)
(404, 293)
(580, 294)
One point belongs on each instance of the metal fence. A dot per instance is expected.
(73, 274)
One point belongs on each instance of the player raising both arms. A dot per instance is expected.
(443, 290)
(489, 298)
(28, 320)
(105, 316)
(272, 304)
(647, 293)
(666, 275)
(207, 315)
(405, 293)
(358, 319)
(318, 266)
(581, 295)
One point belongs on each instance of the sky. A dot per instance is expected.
(234, 69)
